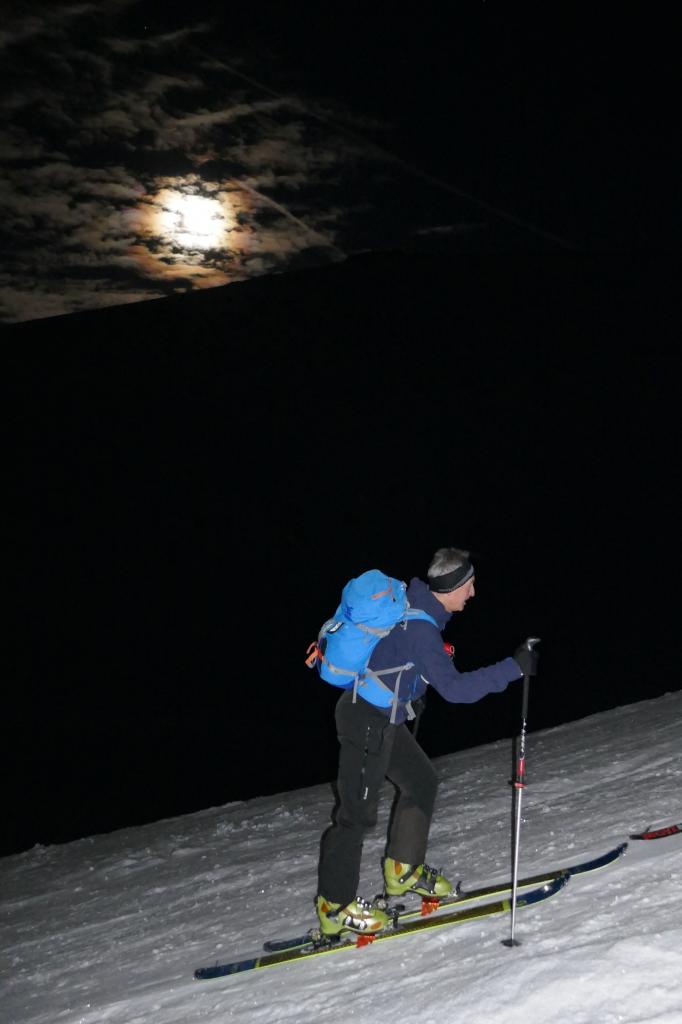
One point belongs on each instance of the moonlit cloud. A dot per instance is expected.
(140, 162)
(116, 143)
(41, 20)
(156, 42)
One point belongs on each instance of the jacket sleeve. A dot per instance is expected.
(437, 669)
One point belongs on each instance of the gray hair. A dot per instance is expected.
(446, 560)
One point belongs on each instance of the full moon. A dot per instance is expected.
(192, 222)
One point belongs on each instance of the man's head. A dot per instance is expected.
(451, 578)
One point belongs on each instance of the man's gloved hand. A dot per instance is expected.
(526, 660)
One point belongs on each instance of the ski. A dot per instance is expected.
(401, 929)
(469, 896)
(658, 833)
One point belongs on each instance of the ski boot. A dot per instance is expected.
(425, 881)
(357, 916)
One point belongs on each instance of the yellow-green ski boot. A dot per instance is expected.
(425, 881)
(357, 916)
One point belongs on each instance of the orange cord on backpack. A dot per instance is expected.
(311, 660)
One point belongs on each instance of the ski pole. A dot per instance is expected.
(519, 785)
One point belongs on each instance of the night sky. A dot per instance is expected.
(155, 148)
(450, 325)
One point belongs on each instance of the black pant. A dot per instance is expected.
(372, 749)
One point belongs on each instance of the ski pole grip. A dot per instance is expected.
(529, 645)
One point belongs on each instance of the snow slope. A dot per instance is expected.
(110, 928)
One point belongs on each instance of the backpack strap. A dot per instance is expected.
(376, 676)
(416, 613)
(411, 615)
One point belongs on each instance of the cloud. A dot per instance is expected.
(448, 229)
(45, 301)
(154, 42)
(98, 125)
(43, 20)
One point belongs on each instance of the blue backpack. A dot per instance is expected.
(371, 606)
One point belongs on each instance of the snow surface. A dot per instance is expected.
(110, 928)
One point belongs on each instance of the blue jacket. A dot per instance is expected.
(422, 644)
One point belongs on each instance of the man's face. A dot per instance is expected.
(455, 601)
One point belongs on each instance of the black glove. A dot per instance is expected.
(526, 660)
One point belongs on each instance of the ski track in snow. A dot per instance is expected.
(110, 928)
